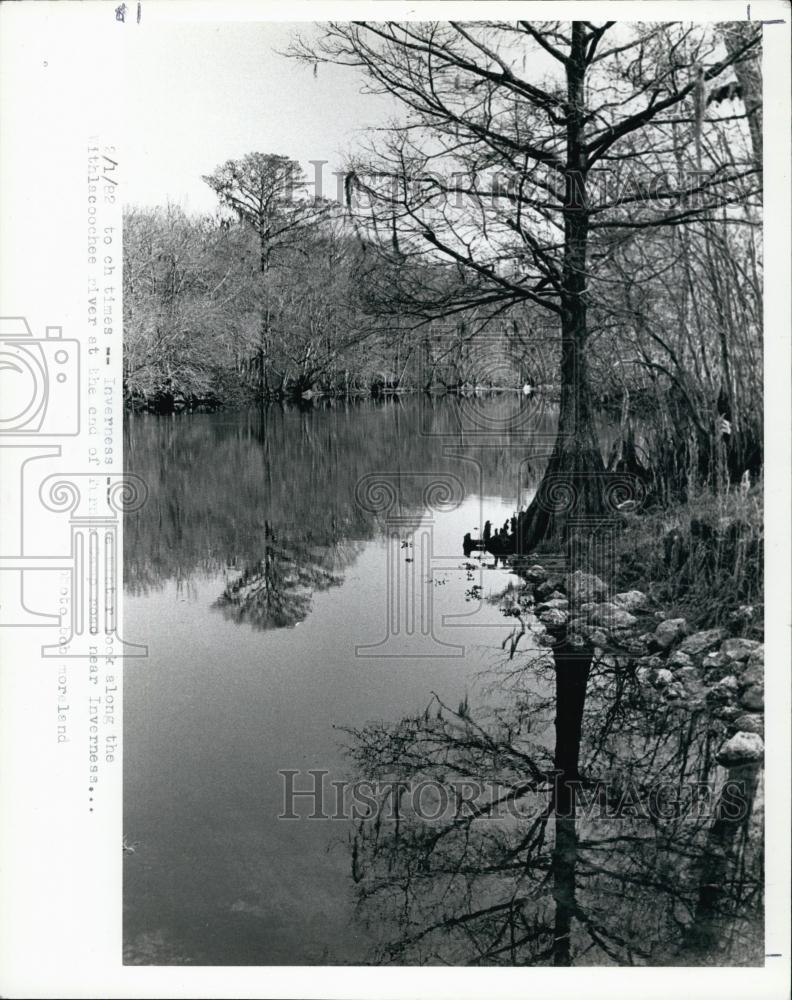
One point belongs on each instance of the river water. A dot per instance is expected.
(297, 572)
(231, 694)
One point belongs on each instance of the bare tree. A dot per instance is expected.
(492, 171)
(268, 192)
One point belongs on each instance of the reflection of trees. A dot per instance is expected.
(276, 591)
(613, 875)
(270, 493)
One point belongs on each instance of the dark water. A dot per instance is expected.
(298, 573)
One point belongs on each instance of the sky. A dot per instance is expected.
(198, 94)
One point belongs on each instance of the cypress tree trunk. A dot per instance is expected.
(573, 479)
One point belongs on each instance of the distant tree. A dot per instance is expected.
(185, 303)
(269, 193)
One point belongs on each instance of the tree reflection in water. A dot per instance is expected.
(591, 865)
(277, 590)
(267, 497)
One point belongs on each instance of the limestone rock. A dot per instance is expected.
(742, 748)
(552, 604)
(703, 642)
(728, 712)
(554, 618)
(669, 632)
(576, 640)
(739, 649)
(757, 657)
(750, 722)
(713, 661)
(550, 585)
(689, 678)
(608, 615)
(595, 635)
(724, 692)
(631, 600)
(752, 675)
(536, 574)
(753, 698)
(583, 587)
(663, 677)
(679, 659)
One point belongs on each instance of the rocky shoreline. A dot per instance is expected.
(710, 670)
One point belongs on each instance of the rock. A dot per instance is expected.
(689, 678)
(662, 678)
(624, 637)
(536, 574)
(643, 674)
(703, 642)
(674, 692)
(742, 748)
(669, 632)
(753, 698)
(553, 618)
(553, 604)
(608, 615)
(583, 587)
(757, 657)
(750, 722)
(594, 635)
(544, 590)
(652, 662)
(557, 595)
(678, 659)
(752, 675)
(724, 692)
(738, 650)
(713, 661)
(631, 600)
(576, 640)
(727, 713)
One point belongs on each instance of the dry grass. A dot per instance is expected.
(702, 559)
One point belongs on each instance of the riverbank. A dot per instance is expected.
(165, 403)
(680, 619)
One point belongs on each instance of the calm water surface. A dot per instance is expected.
(233, 692)
(271, 574)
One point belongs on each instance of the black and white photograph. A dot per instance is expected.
(440, 494)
